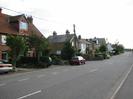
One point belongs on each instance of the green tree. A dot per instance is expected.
(67, 51)
(118, 48)
(103, 48)
(18, 47)
(39, 43)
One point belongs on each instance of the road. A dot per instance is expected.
(94, 80)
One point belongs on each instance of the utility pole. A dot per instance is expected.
(74, 30)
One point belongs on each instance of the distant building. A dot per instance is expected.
(84, 44)
(98, 41)
(109, 47)
(14, 25)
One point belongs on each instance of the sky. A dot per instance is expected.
(110, 19)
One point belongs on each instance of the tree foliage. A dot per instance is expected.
(67, 51)
(103, 48)
(118, 48)
(39, 43)
(18, 47)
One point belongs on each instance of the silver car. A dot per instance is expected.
(5, 67)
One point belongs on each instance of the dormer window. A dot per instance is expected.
(3, 39)
(23, 27)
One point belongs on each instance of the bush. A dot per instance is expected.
(31, 62)
(46, 60)
(56, 60)
(27, 60)
(99, 56)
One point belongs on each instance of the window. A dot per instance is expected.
(58, 52)
(23, 26)
(5, 56)
(72, 43)
(3, 39)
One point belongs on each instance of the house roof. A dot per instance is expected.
(60, 38)
(101, 41)
(6, 25)
(15, 18)
(84, 41)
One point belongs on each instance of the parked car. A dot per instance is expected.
(77, 60)
(4, 67)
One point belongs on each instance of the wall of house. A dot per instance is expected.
(56, 47)
(3, 48)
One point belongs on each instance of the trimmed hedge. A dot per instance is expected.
(32, 62)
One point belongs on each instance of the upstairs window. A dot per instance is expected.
(3, 39)
(72, 44)
(23, 27)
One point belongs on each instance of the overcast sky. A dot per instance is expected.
(111, 19)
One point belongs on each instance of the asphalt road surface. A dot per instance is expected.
(94, 80)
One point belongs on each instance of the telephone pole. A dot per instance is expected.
(74, 29)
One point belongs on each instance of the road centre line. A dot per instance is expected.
(23, 79)
(30, 94)
(65, 70)
(55, 73)
(93, 70)
(40, 76)
(3, 84)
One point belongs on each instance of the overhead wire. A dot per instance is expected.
(42, 19)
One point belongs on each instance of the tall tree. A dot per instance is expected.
(67, 51)
(39, 43)
(103, 48)
(118, 48)
(18, 47)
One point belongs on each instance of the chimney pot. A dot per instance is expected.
(67, 32)
(0, 10)
(79, 37)
(30, 19)
(54, 33)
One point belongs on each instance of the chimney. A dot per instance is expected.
(67, 32)
(0, 10)
(30, 19)
(54, 33)
(79, 37)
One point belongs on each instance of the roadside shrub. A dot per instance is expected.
(31, 62)
(46, 60)
(27, 60)
(56, 60)
(99, 56)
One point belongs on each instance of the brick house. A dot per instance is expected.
(15, 25)
(56, 42)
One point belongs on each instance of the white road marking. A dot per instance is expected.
(40, 76)
(93, 70)
(23, 79)
(3, 84)
(65, 70)
(121, 84)
(29, 94)
(55, 73)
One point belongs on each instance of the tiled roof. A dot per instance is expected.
(84, 41)
(101, 41)
(15, 18)
(60, 38)
(6, 26)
